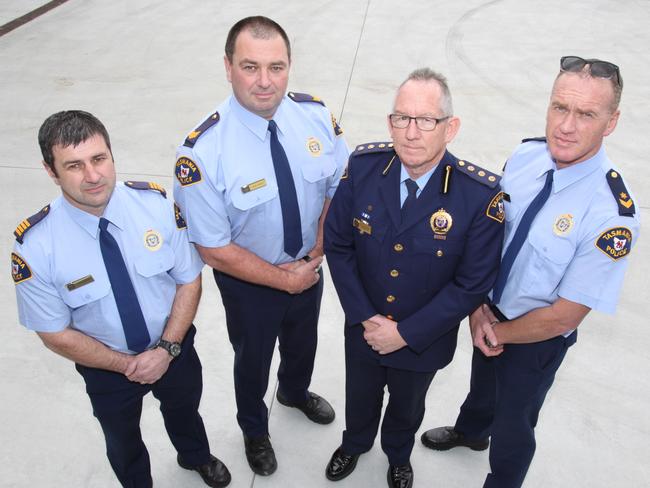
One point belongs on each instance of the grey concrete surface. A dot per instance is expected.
(151, 69)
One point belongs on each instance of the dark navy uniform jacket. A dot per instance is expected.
(427, 273)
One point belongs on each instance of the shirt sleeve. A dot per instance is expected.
(187, 261)
(341, 155)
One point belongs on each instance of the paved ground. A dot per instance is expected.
(150, 70)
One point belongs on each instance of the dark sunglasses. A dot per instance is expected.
(597, 68)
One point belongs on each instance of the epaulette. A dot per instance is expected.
(146, 185)
(479, 174)
(193, 136)
(304, 97)
(373, 147)
(536, 139)
(621, 195)
(30, 222)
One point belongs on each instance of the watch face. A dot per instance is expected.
(174, 349)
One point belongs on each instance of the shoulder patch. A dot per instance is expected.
(616, 243)
(146, 185)
(193, 136)
(479, 174)
(19, 269)
(335, 125)
(29, 222)
(496, 210)
(373, 147)
(187, 172)
(621, 195)
(304, 97)
(180, 221)
(534, 139)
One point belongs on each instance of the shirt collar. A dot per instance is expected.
(90, 223)
(569, 175)
(421, 181)
(256, 124)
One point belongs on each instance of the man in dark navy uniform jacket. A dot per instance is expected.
(413, 240)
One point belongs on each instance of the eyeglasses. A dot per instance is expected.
(597, 68)
(400, 121)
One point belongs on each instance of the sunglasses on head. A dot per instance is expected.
(597, 68)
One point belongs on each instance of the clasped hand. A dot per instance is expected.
(382, 335)
(481, 324)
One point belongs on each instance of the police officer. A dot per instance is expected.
(412, 239)
(570, 225)
(254, 183)
(107, 278)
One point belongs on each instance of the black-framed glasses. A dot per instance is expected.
(401, 121)
(597, 67)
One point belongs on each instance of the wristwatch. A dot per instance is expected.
(173, 348)
(306, 258)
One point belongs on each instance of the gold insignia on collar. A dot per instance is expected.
(314, 146)
(441, 222)
(73, 285)
(563, 224)
(152, 240)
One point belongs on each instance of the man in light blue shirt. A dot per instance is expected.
(254, 181)
(570, 224)
(106, 276)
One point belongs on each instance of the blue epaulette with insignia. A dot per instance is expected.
(146, 185)
(180, 221)
(304, 97)
(621, 195)
(535, 139)
(30, 222)
(193, 136)
(373, 147)
(479, 174)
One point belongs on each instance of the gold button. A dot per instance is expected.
(382, 145)
(394, 273)
(390, 298)
(389, 317)
(370, 146)
(614, 174)
(481, 173)
(492, 178)
(398, 247)
(390, 144)
(471, 168)
(360, 148)
(461, 163)
(439, 253)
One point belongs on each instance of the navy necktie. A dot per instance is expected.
(133, 323)
(412, 188)
(520, 236)
(288, 198)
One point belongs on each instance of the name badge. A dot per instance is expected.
(255, 185)
(73, 285)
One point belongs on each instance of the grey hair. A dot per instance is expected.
(427, 75)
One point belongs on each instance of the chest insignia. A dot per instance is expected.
(19, 269)
(441, 223)
(615, 243)
(187, 172)
(152, 240)
(563, 225)
(314, 146)
(363, 226)
(255, 185)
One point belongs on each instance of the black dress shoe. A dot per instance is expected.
(260, 455)
(444, 438)
(400, 476)
(214, 473)
(317, 409)
(340, 465)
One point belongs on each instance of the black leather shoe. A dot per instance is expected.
(317, 409)
(340, 465)
(444, 438)
(214, 473)
(260, 455)
(400, 476)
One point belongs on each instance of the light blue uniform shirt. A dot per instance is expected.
(560, 257)
(64, 248)
(237, 199)
(421, 182)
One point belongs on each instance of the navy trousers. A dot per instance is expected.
(256, 317)
(117, 405)
(506, 395)
(365, 379)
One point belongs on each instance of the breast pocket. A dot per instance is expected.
(315, 176)
(435, 260)
(155, 262)
(550, 257)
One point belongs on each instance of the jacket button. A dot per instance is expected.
(439, 253)
(394, 273)
(390, 298)
(398, 247)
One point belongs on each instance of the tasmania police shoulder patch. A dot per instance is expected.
(304, 97)
(193, 136)
(146, 185)
(180, 221)
(496, 210)
(187, 172)
(616, 243)
(30, 222)
(19, 269)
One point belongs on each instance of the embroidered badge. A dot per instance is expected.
(335, 125)
(314, 146)
(496, 210)
(73, 285)
(19, 269)
(152, 240)
(441, 222)
(255, 185)
(615, 243)
(180, 221)
(563, 224)
(187, 172)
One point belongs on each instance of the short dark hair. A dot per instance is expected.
(260, 27)
(68, 128)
